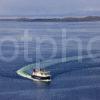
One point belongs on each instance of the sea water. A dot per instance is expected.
(25, 43)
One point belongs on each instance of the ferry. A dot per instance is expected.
(41, 75)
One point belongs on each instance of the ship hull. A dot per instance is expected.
(38, 78)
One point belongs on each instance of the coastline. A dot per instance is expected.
(63, 19)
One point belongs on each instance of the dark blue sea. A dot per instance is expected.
(24, 43)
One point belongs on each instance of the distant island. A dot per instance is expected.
(64, 19)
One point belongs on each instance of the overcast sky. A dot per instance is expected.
(49, 7)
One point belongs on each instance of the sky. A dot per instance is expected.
(50, 7)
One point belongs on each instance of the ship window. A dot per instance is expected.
(41, 73)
